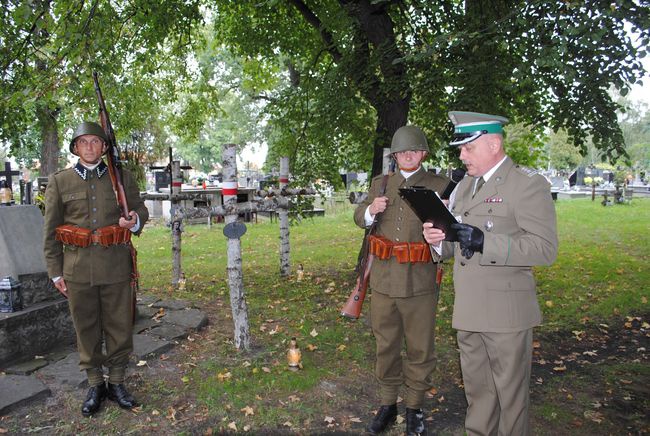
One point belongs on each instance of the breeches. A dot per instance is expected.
(102, 314)
(496, 374)
(397, 322)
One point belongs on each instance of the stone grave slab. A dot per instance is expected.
(145, 312)
(189, 318)
(35, 330)
(169, 332)
(146, 300)
(18, 390)
(172, 304)
(25, 253)
(26, 368)
(145, 346)
(144, 324)
(66, 372)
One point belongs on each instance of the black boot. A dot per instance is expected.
(384, 417)
(119, 394)
(415, 422)
(94, 399)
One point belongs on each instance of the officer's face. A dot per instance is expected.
(409, 160)
(480, 155)
(89, 148)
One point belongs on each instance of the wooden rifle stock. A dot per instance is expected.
(113, 153)
(115, 172)
(352, 308)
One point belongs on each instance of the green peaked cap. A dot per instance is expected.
(468, 126)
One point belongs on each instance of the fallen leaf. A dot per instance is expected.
(224, 376)
(644, 300)
(536, 344)
(549, 303)
(400, 419)
(294, 398)
(287, 424)
(329, 419)
(247, 427)
(141, 363)
(185, 379)
(248, 410)
(341, 347)
(311, 347)
(594, 416)
(246, 364)
(626, 382)
(232, 426)
(559, 368)
(590, 353)
(154, 412)
(313, 333)
(265, 369)
(355, 419)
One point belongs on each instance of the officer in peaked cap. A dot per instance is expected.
(506, 225)
(404, 298)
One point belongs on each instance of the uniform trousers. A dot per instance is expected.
(399, 321)
(496, 375)
(102, 314)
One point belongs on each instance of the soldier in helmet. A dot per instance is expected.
(85, 244)
(404, 292)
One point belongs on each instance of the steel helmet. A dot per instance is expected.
(409, 138)
(87, 128)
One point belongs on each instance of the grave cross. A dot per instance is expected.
(7, 173)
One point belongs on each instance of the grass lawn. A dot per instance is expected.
(594, 300)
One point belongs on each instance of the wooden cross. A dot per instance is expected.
(7, 173)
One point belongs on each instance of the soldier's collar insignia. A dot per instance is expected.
(83, 171)
(494, 200)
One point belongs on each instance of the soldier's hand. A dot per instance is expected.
(378, 205)
(470, 239)
(61, 287)
(431, 234)
(127, 224)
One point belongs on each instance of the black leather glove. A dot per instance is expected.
(470, 239)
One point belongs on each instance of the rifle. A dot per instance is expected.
(352, 308)
(115, 171)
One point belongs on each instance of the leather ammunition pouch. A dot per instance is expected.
(82, 237)
(413, 252)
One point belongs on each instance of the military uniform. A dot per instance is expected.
(98, 278)
(495, 305)
(404, 296)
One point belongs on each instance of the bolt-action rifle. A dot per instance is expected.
(115, 171)
(352, 308)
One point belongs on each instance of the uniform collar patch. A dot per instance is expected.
(494, 200)
(83, 171)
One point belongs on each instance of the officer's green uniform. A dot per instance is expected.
(98, 278)
(495, 305)
(404, 296)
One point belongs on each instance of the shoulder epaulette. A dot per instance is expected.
(530, 172)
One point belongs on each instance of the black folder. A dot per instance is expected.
(428, 207)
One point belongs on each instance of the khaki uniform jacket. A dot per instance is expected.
(400, 224)
(85, 198)
(495, 290)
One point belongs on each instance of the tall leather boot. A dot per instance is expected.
(384, 417)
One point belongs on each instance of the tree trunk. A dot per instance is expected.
(283, 214)
(234, 268)
(50, 151)
(386, 88)
(176, 225)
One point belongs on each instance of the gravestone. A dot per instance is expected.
(45, 320)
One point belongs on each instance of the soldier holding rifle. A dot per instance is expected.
(508, 226)
(402, 279)
(87, 251)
